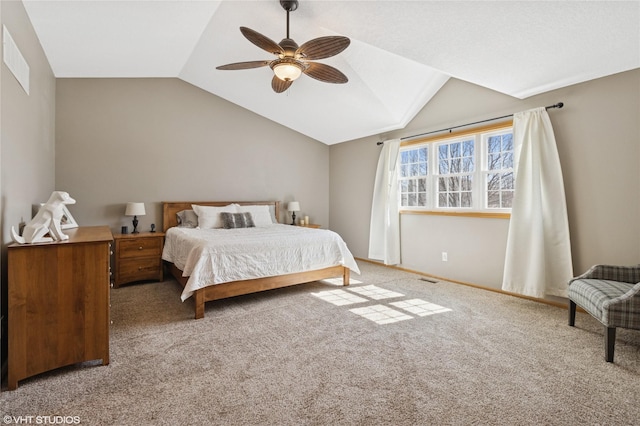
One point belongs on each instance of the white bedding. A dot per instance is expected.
(214, 256)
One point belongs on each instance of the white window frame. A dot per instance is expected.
(481, 171)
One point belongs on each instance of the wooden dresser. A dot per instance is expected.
(58, 302)
(138, 257)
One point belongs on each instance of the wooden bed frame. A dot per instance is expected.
(237, 288)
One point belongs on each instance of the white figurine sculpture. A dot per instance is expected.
(47, 220)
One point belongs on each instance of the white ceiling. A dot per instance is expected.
(401, 52)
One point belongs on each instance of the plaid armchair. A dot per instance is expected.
(612, 295)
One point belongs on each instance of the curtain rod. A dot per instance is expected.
(558, 105)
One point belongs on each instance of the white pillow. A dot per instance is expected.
(209, 216)
(260, 214)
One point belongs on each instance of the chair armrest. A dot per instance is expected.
(625, 274)
(623, 311)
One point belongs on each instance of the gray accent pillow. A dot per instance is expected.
(236, 220)
(187, 219)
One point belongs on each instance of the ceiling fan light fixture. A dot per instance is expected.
(287, 71)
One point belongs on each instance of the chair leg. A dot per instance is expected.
(609, 342)
(572, 313)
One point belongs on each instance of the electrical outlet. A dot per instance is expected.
(444, 256)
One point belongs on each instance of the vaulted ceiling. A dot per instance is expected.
(401, 52)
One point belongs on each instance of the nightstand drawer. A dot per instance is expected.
(140, 247)
(139, 269)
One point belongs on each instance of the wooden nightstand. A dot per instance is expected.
(310, 225)
(138, 257)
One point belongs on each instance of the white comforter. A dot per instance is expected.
(214, 256)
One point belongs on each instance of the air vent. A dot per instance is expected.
(14, 59)
(428, 280)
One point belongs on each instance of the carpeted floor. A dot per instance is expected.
(390, 349)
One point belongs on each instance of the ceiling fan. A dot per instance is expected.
(293, 60)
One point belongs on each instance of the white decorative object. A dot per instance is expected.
(47, 220)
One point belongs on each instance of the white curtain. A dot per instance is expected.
(538, 259)
(384, 231)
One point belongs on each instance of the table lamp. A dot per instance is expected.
(293, 207)
(135, 210)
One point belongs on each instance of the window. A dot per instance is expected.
(469, 172)
(499, 182)
(455, 173)
(414, 166)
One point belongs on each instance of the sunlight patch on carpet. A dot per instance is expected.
(420, 307)
(375, 293)
(339, 297)
(339, 281)
(381, 314)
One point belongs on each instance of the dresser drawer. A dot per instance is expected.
(139, 269)
(139, 247)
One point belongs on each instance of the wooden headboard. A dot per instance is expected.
(170, 208)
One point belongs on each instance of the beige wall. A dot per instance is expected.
(153, 140)
(27, 147)
(598, 137)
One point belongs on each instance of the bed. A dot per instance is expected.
(201, 260)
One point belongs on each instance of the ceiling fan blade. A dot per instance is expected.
(280, 86)
(263, 42)
(243, 65)
(323, 47)
(325, 73)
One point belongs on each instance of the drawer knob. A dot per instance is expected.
(140, 248)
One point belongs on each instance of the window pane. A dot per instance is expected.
(412, 185)
(423, 169)
(413, 156)
(493, 181)
(422, 199)
(422, 154)
(454, 150)
(507, 181)
(454, 184)
(442, 199)
(422, 185)
(493, 199)
(467, 165)
(412, 200)
(443, 167)
(466, 199)
(442, 184)
(493, 162)
(507, 142)
(443, 151)
(415, 170)
(467, 148)
(508, 160)
(404, 170)
(455, 165)
(494, 144)
(404, 157)
(466, 183)
(454, 199)
(507, 199)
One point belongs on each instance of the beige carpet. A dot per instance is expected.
(390, 350)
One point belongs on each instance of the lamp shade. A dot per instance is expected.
(293, 206)
(287, 71)
(134, 209)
